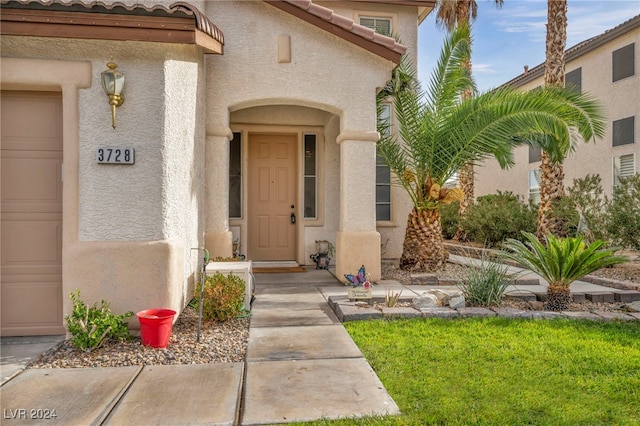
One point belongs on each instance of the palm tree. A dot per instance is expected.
(451, 13)
(440, 132)
(560, 261)
(552, 172)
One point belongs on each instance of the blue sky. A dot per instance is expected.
(507, 39)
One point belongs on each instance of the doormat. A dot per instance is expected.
(278, 270)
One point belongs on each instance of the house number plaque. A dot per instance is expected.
(115, 155)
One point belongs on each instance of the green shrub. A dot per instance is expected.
(450, 219)
(624, 213)
(494, 218)
(90, 327)
(485, 285)
(588, 199)
(223, 296)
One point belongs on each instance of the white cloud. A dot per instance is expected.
(483, 69)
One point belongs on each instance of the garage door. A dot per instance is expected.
(31, 213)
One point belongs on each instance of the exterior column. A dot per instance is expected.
(217, 238)
(357, 241)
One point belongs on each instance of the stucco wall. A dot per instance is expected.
(159, 198)
(248, 74)
(620, 99)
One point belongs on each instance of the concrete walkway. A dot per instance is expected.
(301, 365)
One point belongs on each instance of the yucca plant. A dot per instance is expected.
(560, 261)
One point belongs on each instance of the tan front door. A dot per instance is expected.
(31, 214)
(272, 197)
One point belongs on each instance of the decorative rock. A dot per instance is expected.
(421, 278)
(545, 315)
(634, 306)
(457, 302)
(611, 316)
(426, 300)
(635, 315)
(536, 306)
(582, 315)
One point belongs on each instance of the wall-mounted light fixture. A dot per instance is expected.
(113, 83)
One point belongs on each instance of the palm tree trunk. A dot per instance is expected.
(552, 175)
(558, 298)
(551, 192)
(466, 182)
(423, 248)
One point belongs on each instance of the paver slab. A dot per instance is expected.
(307, 300)
(282, 317)
(286, 391)
(78, 395)
(315, 342)
(182, 394)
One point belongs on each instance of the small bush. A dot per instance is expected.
(485, 285)
(494, 218)
(588, 199)
(450, 219)
(90, 327)
(223, 296)
(624, 213)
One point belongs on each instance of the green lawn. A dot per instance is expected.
(504, 372)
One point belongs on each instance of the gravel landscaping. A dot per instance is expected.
(227, 341)
(219, 342)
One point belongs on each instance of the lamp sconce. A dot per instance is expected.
(113, 83)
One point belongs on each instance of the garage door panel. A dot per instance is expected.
(33, 304)
(31, 214)
(31, 242)
(31, 120)
(31, 180)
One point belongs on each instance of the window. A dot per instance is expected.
(623, 62)
(573, 79)
(623, 131)
(310, 176)
(535, 154)
(383, 177)
(623, 166)
(378, 24)
(235, 176)
(534, 186)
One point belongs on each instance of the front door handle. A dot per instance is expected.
(293, 218)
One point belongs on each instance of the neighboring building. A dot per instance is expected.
(252, 121)
(607, 67)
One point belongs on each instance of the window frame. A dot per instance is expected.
(618, 54)
(305, 175)
(380, 165)
(240, 175)
(534, 191)
(615, 177)
(616, 127)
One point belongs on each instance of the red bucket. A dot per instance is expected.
(155, 326)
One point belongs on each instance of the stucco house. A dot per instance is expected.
(606, 66)
(251, 122)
